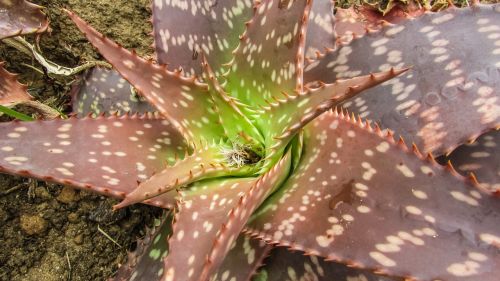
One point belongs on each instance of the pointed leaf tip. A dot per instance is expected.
(479, 159)
(97, 148)
(279, 29)
(210, 217)
(11, 91)
(160, 87)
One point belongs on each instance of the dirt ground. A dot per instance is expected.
(48, 232)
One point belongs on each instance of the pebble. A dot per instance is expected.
(67, 195)
(73, 218)
(78, 239)
(41, 192)
(33, 225)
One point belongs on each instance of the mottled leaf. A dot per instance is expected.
(270, 57)
(287, 117)
(286, 265)
(209, 218)
(239, 215)
(145, 263)
(204, 162)
(320, 28)
(452, 92)
(11, 91)
(204, 208)
(482, 158)
(104, 91)
(376, 205)
(106, 155)
(231, 116)
(19, 17)
(357, 21)
(184, 30)
(184, 101)
(242, 260)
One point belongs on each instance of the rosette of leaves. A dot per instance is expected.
(245, 143)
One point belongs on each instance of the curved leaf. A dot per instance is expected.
(146, 262)
(185, 30)
(289, 116)
(270, 57)
(286, 265)
(102, 90)
(205, 162)
(376, 205)
(184, 101)
(482, 157)
(210, 217)
(11, 91)
(452, 92)
(19, 17)
(106, 155)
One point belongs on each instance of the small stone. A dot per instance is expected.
(78, 239)
(73, 218)
(67, 195)
(33, 225)
(41, 192)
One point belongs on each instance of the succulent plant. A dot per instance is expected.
(248, 146)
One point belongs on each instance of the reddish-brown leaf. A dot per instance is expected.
(320, 28)
(357, 21)
(210, 217)
(452, 92)
(285, 118)
(102, 90)
(184, 101)
(286, 265)
(11, 91)
(376, 205)
(145, 263)
(106, 155)
(19, 17)
(482, 158)
(269, 58)
(200, 214)
(204, 162)
(238, 216)
(242, 261)
(185, 30)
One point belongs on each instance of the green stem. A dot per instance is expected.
(15, 114)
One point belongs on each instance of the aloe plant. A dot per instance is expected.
(247, 143)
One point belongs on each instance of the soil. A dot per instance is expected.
(47, 231)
